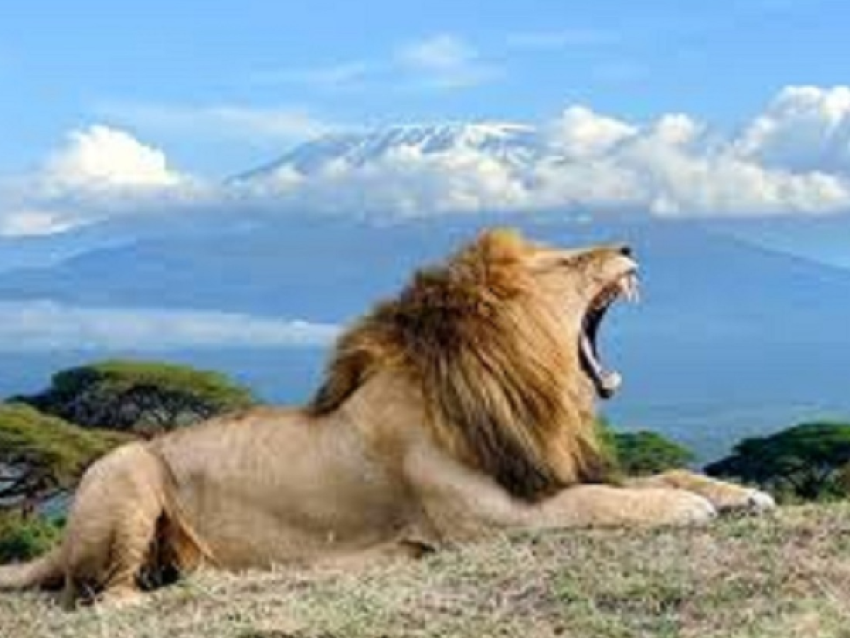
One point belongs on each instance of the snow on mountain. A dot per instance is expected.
(669, 167)
(516, 144)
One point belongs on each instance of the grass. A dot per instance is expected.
(783, 575)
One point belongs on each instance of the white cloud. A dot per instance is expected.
(794, 158)
(407, 181)
(805, 128)
(439, 52)
(673, 166)
(442, 61)
(26, 223)
(100, 157)
(98, 172)
(237, 122)
(445, 61)
(581, 133)
(47, 326)
(332, 76)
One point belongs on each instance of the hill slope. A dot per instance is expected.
(782, 576)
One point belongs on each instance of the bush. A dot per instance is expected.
(23, 538)
(644, 452)
(142, 396)
(641, 453)
(808, 461)
(42, 455)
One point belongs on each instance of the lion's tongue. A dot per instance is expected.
(608, 380)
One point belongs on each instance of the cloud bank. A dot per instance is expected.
(98, 172)
(47, 326)
(793, 158)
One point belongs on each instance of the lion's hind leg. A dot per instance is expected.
(725, 496)
(113, 525)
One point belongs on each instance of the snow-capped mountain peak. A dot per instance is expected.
(505, 141)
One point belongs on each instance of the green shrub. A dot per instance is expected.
(23, 538)
(808, 461)
(42, 455)
(641, 453)
(644, 452)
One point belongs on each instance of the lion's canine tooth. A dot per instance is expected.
(629, 287)
(625, 287)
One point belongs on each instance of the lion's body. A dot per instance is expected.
(306, 488)
(457, 408)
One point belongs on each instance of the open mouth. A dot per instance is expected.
(605, 381)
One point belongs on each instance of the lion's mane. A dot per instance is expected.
(500, 380)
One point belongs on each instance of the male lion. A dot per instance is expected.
(462, 406)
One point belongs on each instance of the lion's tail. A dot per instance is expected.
(44, 571)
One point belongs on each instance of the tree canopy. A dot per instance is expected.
(642, 452)
(645, 452)
(809, 460)
(142, 396)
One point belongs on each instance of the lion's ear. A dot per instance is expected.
(501, 235)
(498, 244)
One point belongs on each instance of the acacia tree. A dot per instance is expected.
(141, 396)
(806, 460)
(645, 452)
(42, 456)
(642, 452)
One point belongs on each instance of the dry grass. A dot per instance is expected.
(787, 575)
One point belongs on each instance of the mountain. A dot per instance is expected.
(329, 269)
(743, 327)
(731, 338)
(819, 238)
(515, 144)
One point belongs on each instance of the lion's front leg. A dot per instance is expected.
(726, 497)
(461, 503)
(609, 506)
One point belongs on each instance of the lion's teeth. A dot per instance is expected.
(611, 381)
(629, 286)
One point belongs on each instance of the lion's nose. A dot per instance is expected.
(626, 250)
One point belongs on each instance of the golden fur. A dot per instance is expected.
(498, 376)
(456, 408)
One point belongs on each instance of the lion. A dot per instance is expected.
(462, 407)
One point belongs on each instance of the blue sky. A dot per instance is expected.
(122, 118)
(283, 71)
(654, 107)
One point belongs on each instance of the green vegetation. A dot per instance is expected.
(644, 452)
(42, 456)
(25, 537)
(140, 396)
(808, 461)
(784, 575)
(48, 440)
(641, 453)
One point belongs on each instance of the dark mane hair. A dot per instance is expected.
(497, 376)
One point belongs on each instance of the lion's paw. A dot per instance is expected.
(749, 501)
(691, 509)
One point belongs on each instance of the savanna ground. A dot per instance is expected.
(782, 575)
